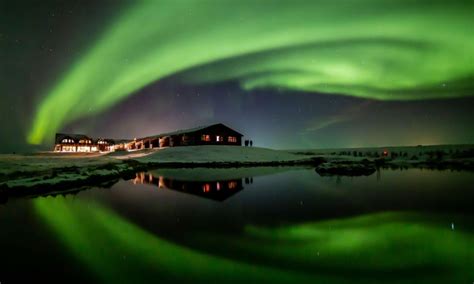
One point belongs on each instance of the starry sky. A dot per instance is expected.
(287, 74)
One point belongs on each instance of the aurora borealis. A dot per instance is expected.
(307, 77)
(339, 62)
(359, 244)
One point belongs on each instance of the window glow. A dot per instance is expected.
(69, 149)
(206, 187)
(232, 185)
(83, 149)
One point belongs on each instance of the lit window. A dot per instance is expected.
(219, 138)
(232, 184)
(206, 187)
(67, 141)
(69, 149)
(232, 139)
(206, 138)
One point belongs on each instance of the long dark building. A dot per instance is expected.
(216, 134)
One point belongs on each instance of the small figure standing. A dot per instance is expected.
(251, 143)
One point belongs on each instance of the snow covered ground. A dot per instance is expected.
(420, 150)
(443, 156)
(48, 161)
(56, 172)
(218, 154)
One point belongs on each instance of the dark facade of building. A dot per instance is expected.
(216, 134)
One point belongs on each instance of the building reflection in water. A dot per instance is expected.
(217, 190)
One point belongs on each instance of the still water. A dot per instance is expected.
(279, 225)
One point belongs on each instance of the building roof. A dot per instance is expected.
(75, 137)
(120, 141)
(114, 141)
(78, 137)
(189, 130)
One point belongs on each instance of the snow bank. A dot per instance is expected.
(37, 163)
(218, 154)
(43, 172)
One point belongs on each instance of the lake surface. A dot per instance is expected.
(280, 225)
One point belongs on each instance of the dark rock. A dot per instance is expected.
(3, 193)
(379, 162)
(318, 161)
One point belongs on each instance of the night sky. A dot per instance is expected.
(287, 74)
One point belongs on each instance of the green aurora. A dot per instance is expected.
(384, 50)
(116, 250)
